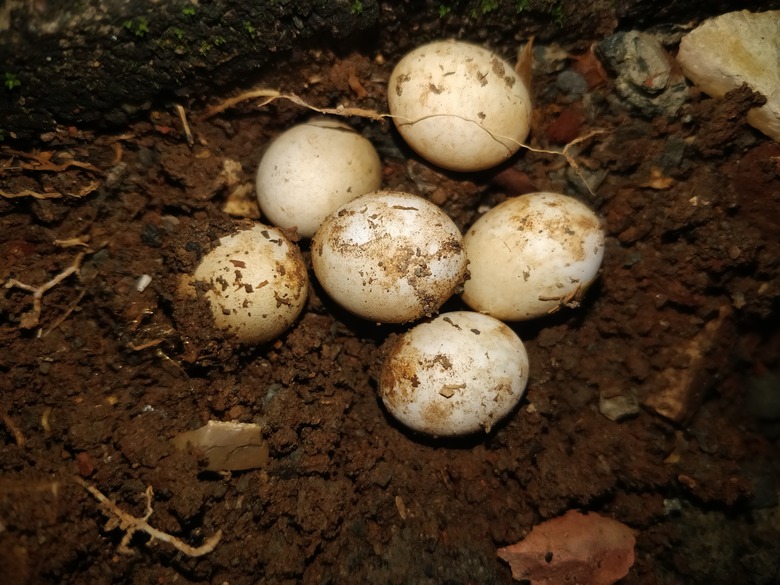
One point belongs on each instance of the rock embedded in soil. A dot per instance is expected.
(646, 79)
(227, 446)
(735, 48)
(706, 354)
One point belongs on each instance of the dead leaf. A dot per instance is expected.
(658, 180)
(573, 548)
(525, 58)
(590, 67)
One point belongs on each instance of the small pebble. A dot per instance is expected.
(571, 83)
(620, 407)
(645, 78)
(142, 282)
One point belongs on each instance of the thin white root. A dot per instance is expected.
(569, 158)
(64, 317)
(271, 95)
(33, 317)
(118, 518)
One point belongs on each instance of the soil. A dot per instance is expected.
(682, 322)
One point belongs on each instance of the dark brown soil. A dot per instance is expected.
(683, 319)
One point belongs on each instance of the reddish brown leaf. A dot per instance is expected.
(525, 57)
(573, 548)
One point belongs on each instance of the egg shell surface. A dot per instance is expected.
(389, 257)
(459, 105)
(310, 170)
(460, 373)
(532, 254)
(255, 282)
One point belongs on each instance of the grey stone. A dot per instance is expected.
(646, 80)
(571, 83)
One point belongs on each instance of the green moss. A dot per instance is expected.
(219, 41)
(177, 32)
(557, 13)
(357, 7)
(476, 8)
(11, 81)
(250, 30)
(205, 48)
(488, 5)
(138, 27)
(188, 11)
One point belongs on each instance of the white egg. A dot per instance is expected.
(255, 282)
(310, 170)
(390, 257)
(457, 374)
(530, 255)
(459, 105)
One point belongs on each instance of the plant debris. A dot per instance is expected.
(573, 548)
(118, 518)
(227, 446)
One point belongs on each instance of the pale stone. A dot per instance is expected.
(735, 48)
(227, 446)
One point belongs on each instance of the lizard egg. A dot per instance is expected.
(310, 170)
(254, 281)
(454, 375)
(532, 254)
(459, 105)
(389, 256)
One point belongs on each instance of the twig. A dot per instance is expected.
(82, 241)
(146, 345)
(12, 426)
(45, 420)
(61, 319)
(42, 162)
(183, 118)
(30, 193)
(83, 192)
(32, 318)
(118, 518)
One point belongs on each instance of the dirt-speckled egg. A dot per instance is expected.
(389, 257)
(310, 170)
(532, 254)
(255, 282)
(459, 105)
(457, 374)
